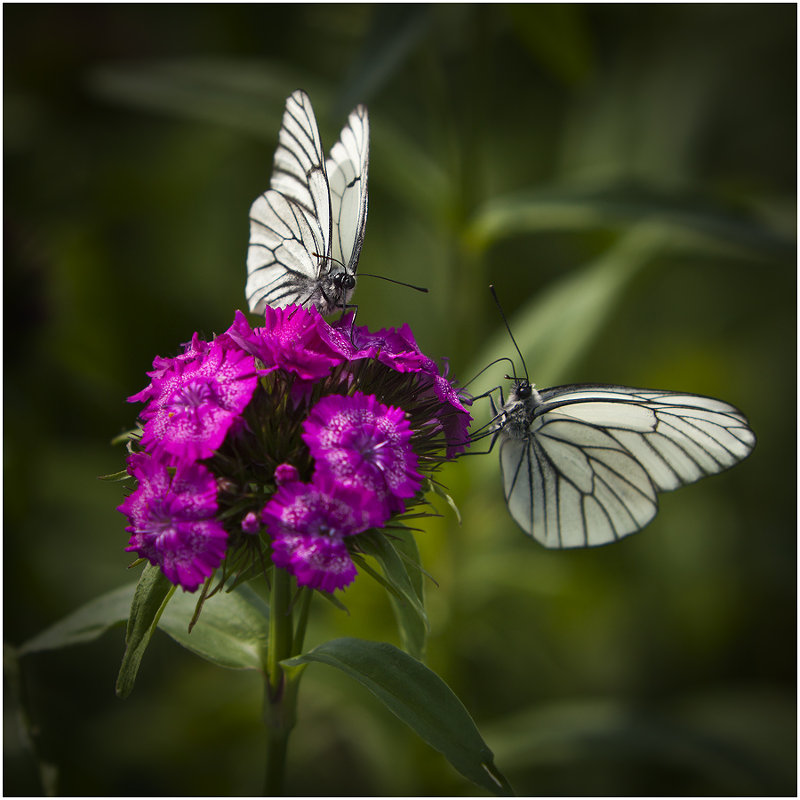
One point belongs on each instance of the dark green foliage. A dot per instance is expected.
(625, 175)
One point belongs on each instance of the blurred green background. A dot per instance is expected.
(624, 174)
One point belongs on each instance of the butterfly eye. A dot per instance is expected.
(344, 280)
(524, 390)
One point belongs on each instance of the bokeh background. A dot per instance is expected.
(624, 174)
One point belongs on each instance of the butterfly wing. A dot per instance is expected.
(290, 224)
(588, 470)
(347, 169)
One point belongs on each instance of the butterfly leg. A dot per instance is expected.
(492, 427)
(348, 307)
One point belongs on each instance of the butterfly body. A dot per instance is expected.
(307, 229)
(517, 413)
(582, 465)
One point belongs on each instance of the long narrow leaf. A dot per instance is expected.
(420, 698)
(555, 328)
(406, 595)
(152, 595)
(696, 220)
(85, 624)
(230, 632)
(413, 626)
(226, 92)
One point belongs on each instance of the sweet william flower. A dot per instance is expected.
(305, 435)
(309, 523)
(450, 416)
(172, 516)
(292, 339)
(362, 443)
(194, 401)
(319, 562)
(191, 351)
(322, 507)
(396, 348)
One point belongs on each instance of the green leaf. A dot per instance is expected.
(222, 91)
(334, 601)
(725, 746)
(420, 698)
(406, 593)
(149, 600)
(122, 475)
(230, 632)
(440, 491)
(555, 328)
(85, 624)
(689, 220)
(414, 628)
(127, 436)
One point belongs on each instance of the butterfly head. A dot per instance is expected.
(339, 290)
(522, 392)
(517, 412)
(344, 282)
(522, 400)
(522, 389)
(332, 292)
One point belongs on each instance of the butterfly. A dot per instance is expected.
(307, 229)
(583, 464)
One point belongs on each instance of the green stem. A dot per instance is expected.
(276, 764)
(300, 630)
(278, 714)
(279, 644)
(281, 685)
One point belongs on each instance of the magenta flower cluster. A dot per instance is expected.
(291, 439)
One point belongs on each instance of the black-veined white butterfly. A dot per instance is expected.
(307, 229)
(582, 464)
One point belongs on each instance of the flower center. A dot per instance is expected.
(160, 520)
(323, 529)
(190, 397)
(363, 441)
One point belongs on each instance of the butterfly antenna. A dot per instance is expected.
(490, 364)
(368, 275)
(508, 328)
(328, 258)
(392, 280)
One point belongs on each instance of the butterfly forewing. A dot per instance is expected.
(348, 168)
(298, 169)
(587, 469)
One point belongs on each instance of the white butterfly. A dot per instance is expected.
(307, 229)
(582, 464)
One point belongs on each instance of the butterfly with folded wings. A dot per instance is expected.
(307, 229)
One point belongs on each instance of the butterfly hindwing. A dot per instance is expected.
(280, 263)
(587, 469)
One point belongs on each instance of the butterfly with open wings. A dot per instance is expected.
(582, 464)
(307, 229)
